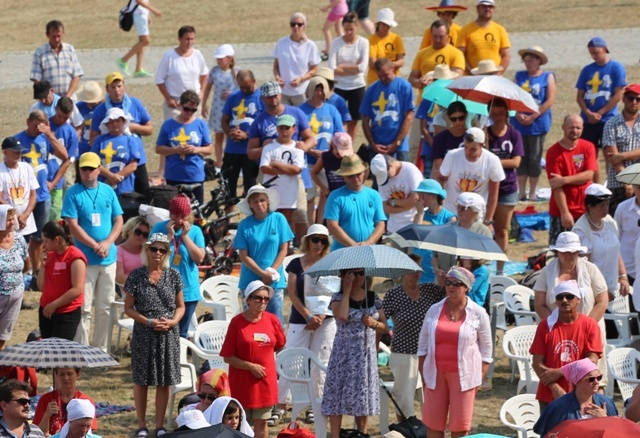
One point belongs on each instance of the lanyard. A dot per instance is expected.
(95, 198)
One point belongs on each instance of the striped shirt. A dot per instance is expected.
(617, 133)
(57, 68)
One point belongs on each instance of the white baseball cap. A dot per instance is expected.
(380, 169)
(597, 190)
(474, 134)
(470, 199)
(193, 419)
(223, 51)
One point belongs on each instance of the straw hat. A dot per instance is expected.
(535, 51)
(351, 165)
(442, 71)
(90, 92)
(486, 67)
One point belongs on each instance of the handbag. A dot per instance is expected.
(293, 430)
(352, 433)
(126, 17)
(409, 427)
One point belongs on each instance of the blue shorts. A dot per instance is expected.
(508, 199)
(41, 213)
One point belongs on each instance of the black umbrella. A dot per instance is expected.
(218, 431)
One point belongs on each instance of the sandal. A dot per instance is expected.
(160, 431)
(309, 417)
(143, 432)
(324, 55)
(276, 416)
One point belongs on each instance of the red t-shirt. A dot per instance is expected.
(255, 343)
(57, 421)
(57, 280)
(565, 162)
(564, 344)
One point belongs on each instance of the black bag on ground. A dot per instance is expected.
(126, 17)
(160, 196)
(130, 203)
(410, 428)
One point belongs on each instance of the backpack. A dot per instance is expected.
(126, 17)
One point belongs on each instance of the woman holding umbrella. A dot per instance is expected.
(454, 353)
(154, 300)
(351, 385)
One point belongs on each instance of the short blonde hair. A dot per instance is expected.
(145, 255)
(131, 224)
(304, 246)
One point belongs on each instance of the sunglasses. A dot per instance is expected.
(189, 109)
(453, 283)
(633, 99)
(457, 119)
(88, 169)
(563, 297)
(315, 239)
(22, 401)
(294, 24)
(358, 273)
(157, 249)
(210, 397)
(139, 232)
(259, 299)
(594, 378)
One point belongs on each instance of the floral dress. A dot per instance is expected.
(351, 385)
(222, 81)
(155, 356)
(11, 266)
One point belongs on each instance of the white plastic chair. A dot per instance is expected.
(517, 301)
(621, 315)
(209, 337)
(384, 397)
(293, 365)
(623, 365)
(187, 378)
(496, 295)
(520, 413)
(220, 293)
(117, 317)
(516, 344)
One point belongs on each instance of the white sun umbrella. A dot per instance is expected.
(630, 175)
(484, 89)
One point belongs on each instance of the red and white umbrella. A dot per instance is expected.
(484, 89)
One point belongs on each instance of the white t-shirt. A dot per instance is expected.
(180, 73)
(15, 189)
(355, 53)
(294, 60)
(627, 216)
(400, 187)
(465, 176)
(285, 185)
(603, 247)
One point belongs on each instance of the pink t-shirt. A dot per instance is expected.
(129, 260)
(447, 335)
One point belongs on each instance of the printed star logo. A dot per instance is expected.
(315, 124)
(381, 103)
(182, 139)
(33, 155)
(108, 153)
(240, 110)
(595, 83)
(526, 86)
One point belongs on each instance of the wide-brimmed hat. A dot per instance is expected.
(351, 165)
(442, 71)
(114, 114)
(314, 230)
(313, 84)
(431, 186)
(90, 92)
(568, 241)
(446, 6)
(386, 16)
(326, 72)
(274, 199)
(535, 51)
(254, 286)
(486, 67)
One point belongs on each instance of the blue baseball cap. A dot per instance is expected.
(598, 42)
(431, 186)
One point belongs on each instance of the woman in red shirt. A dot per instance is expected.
(61, 280)
(252, 339)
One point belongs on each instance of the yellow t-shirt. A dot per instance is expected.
(454, 30)
(483, 42)
(388, 47)
(427, 59)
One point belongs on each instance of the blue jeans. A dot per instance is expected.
(189, 309)
(276, 303)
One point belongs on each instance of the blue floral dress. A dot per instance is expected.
(351, 385)
(222, 81)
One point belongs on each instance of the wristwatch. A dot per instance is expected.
(392, 202)
(487, 222)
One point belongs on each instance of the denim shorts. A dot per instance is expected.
(508, 199)
(41, 213)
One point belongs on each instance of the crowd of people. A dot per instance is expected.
(465, 163)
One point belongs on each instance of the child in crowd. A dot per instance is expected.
(222, 79)
(228, 411)
(337, 10)
(141, 21)
(324, 171)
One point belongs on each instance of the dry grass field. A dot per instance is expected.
(92, 24)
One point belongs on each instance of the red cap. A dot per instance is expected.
(632, 88)
(180, 205)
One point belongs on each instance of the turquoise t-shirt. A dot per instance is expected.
(444, 217)
(94, 209)
(480, 288)
(262, 239)
(187, 268)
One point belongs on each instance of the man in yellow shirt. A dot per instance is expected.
(446, 11)
(385, 44)
(484, 39)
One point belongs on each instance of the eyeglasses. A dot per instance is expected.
(260, 299)
(594, 378)
(189, 109)
(157, 249)
(632, 99)
(22, 401)
(88, 169)
(294, 24)
(563, 297)
(315, 239)
(457, 119)
(139, 232)
(210, 397)
(453, 283)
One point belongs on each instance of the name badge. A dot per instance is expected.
(95, 220)
(18, 201)
(59, 266)
(177, 259)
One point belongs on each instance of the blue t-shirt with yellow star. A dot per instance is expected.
(386, 105)
(68, 138)
(324, 122)
(35, 151)
(184, 168)
(87, 115)
(115, 153)
(599, 83)
(242, 109)
(264, 127)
